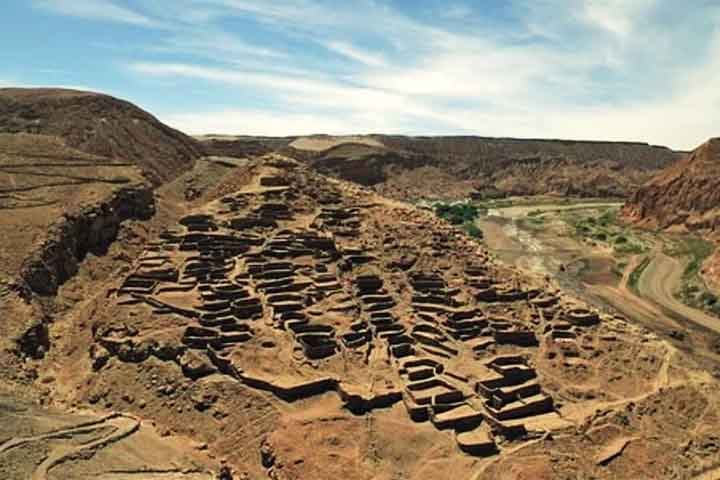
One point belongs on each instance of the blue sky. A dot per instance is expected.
(646, 70)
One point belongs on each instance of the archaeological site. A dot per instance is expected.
(225, 292)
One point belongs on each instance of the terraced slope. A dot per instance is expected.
(99, 125)
(58, 203)
(305, 327)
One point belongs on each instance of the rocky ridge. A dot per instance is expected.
(686, 195)
(100, 125)
(412, 168)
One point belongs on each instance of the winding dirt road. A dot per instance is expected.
(660, 280)
(80, 445)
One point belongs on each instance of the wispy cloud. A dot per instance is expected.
(617, 69)
(352, 52)
(215, 44)
(456, 11)
(96, 10)
(616, 16)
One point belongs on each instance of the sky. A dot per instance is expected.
(640, 70)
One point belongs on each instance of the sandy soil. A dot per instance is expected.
(320, 143)
(546, 253)
(523, 210)
(40, 444)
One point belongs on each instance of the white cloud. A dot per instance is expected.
(616, 16)
(456, 11)
(276, 123)
(215, 44)
(599, 70)
(96, 10)
(359, 55)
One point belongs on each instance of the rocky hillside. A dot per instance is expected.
(332, 333)
(452, 167)
(240, 146)
(686, 195)
(100, 125)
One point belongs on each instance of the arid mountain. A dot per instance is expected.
(99, 125)
(686, 195)
(240, 146)
(255, 318)
(454, 167)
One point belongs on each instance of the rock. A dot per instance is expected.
(225, 473)
(99, 356)
(166, 351)
(72, 237)
(203, 400)
(195, 364)
(267, 455)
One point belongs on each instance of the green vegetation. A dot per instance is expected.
(694, 292)
(637, 273)
(696, 295)
(602, 227)
(698, 250)
(463, 214)
(4, 287)
(457, 213)
(619, 269)
(472, 230)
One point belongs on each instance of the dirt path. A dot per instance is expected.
(117, 446)
(83, 428)
(524, 210)
(659, 282)
(118, 427)
(121, 426)
(625, 301)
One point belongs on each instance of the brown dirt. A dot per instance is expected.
(99, 125)
(608, 367)
(168, 354)
(413, 168)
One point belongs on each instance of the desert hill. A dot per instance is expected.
(685, 195)
(256, 318)
(99, 125)
(411, 168)
(300, 326)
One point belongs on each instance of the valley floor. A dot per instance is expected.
(641, 277)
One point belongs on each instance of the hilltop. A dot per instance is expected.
(299, 326)
(413, 168)
(249, 316)
(99, 125)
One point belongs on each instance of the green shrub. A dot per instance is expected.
(708, 299)
(457, 214)
(472, 230)
(607, 218)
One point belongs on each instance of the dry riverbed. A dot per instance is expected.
(583, 247)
